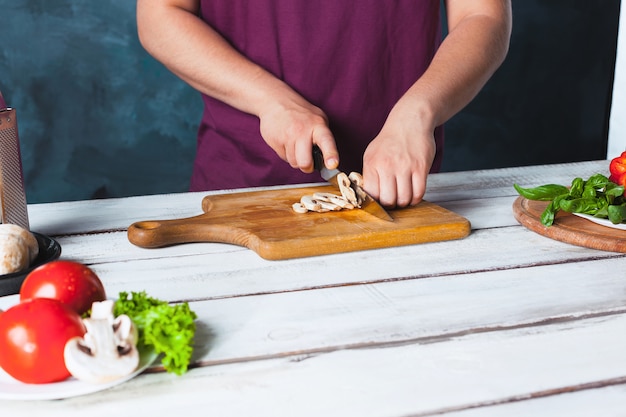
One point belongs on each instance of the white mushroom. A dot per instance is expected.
(299, 208)
(352, 196)
(357, 184)
(341, 202)
(346, 190)
(18, 248)
(308, 202)
(328, 205)
(356, 178)
(107, 351)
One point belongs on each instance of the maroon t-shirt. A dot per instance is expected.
(353, 59)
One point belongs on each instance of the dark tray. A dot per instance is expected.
(49, 250)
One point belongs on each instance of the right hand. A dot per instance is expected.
(291, 127)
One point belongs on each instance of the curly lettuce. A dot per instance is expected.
(169, 329)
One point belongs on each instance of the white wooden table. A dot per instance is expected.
(502, 323)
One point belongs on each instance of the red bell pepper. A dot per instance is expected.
(617, 168)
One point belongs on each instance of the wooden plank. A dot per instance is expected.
(413, 379)
(598, 400)
(117, 214)
(274, 325)
(261, 326)
(210, 270)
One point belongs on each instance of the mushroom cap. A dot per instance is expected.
(108, 349)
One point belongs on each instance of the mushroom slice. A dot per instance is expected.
(341, 202)
(107, 351)
(356, 178)
(308, 202)
(346, 190)
(327, 205)
(299, 208)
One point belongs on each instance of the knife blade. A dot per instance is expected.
(369, 205)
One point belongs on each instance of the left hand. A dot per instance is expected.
(397, 162)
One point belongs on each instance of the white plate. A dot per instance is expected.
(602, 222)
(12, 389)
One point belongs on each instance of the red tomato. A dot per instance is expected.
(70, 282)
(33, 335)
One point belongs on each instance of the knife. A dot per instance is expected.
(369, 205)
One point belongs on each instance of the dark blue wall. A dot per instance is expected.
(98, 117)
(550, 100)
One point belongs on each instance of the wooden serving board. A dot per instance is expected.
(265, 222)
(569, 228)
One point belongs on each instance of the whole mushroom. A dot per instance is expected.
(108, 349)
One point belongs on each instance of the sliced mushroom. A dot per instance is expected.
(357, 185)
(360, 194)
(341, 202)
(328, 205)
(107, 351)
(346, 190)
(322, 196)
(299, 208)
(356, 178)
(308, 202)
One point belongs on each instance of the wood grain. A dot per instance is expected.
(569, 228)
(504, 322)
(265, 222)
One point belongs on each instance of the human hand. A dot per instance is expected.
(292, 127)
(396, 165)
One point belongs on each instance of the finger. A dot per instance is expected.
(304, 155)
(323, 138)
(404, 191)
(290, 155)
(388, 191)
(370, 182)
(419, 188)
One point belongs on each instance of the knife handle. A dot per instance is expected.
(318, 158)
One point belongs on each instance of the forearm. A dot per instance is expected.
(201, 57)
(475, 47)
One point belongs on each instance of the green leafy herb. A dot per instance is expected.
(168, 329)
(596, 196)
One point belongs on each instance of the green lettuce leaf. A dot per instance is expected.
(169, 329)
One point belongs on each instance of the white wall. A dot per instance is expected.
(617, 122)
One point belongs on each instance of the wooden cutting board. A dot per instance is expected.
(569, 228)
(265, 222)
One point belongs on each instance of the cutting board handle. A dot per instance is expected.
(160, 233)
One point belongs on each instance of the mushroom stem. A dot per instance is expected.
(107, 351)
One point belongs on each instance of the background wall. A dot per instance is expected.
(97, 117)
(100, 118)
(617, 119)
(550, 100)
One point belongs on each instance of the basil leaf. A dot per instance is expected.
(617, 214)
(547, 217)
(576, 190)
(589, 192)
(598, 181)
(580, 205)
(614, 190)
(541, 193)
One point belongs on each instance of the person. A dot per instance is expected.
(371, 82)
